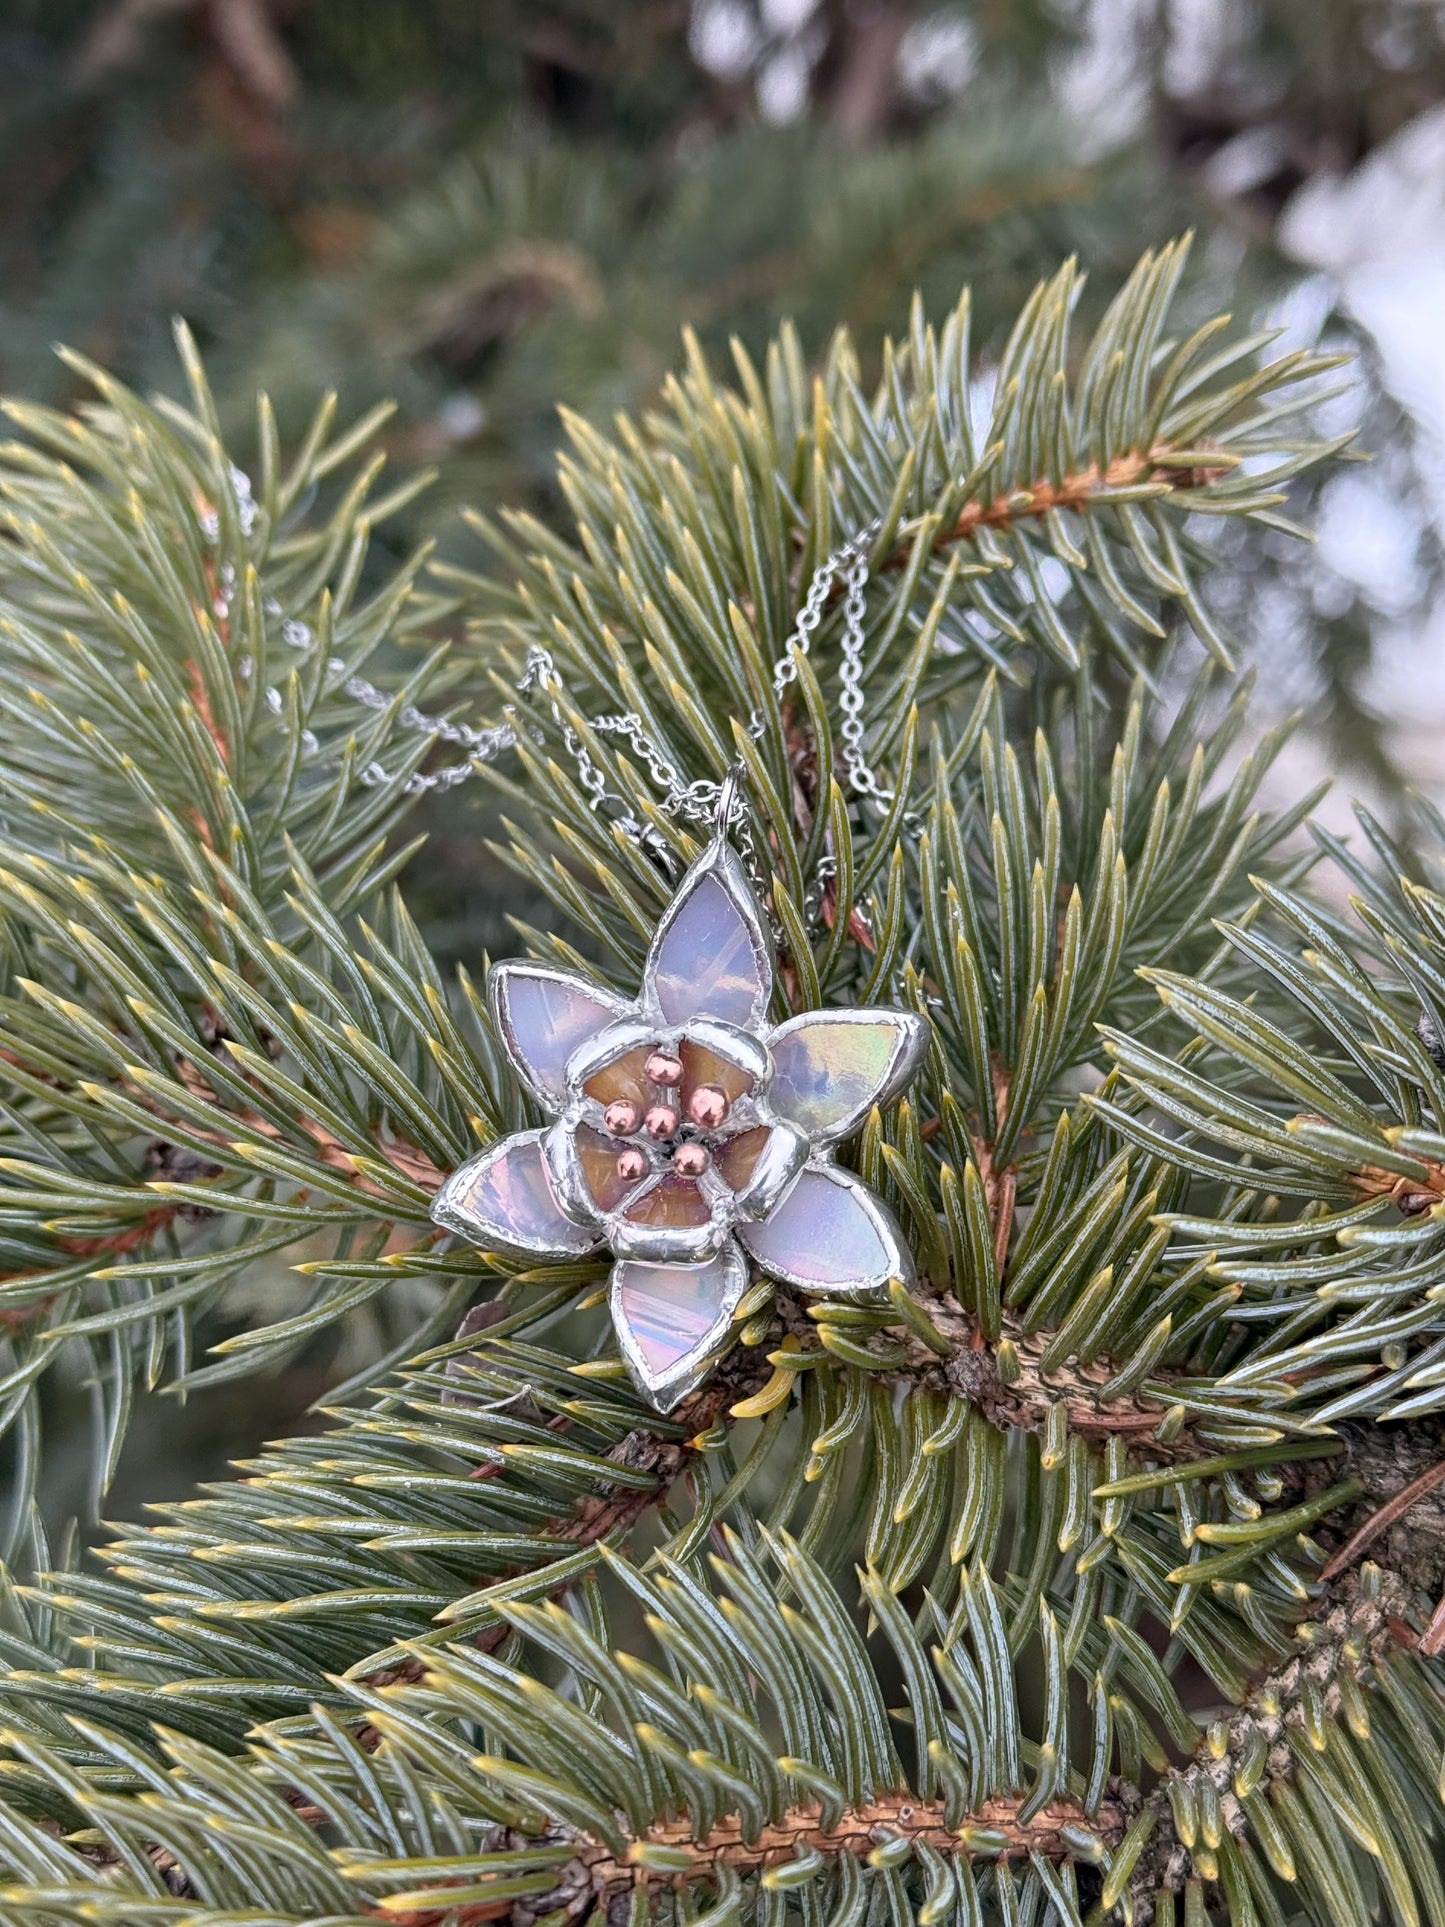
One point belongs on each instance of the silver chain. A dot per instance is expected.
(698, 801)
(701, 801)
(852, 559)
(695, 802)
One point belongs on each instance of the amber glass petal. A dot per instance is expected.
(598, 1155)
(703, 1066)
(625, 1077)
(671, 1201)
(736, 1159)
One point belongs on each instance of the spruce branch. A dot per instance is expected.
(670, 1855)
(1159, 469)
(187, 828)
(464, 1655)
(1316, 1719)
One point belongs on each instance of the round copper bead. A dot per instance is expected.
(631, 1165)
(665, 1069)
(621, 1117)
(690, 1160)
(661, 1121)
(708, 1106)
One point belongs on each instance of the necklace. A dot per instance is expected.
(687, 1135)
(695, 801)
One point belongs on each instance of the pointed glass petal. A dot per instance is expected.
(829, 1234)
(702, 1067)
(624, 1078)
(737, 1156)
(505, 1199)
(671, 1319)
(710, 958)
(830, 1067)
(542, 1014)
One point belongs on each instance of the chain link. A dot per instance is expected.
(702, 800)
(485, 744)
(694, 802)
(852, 559)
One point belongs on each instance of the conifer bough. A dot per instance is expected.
(1096, 1577)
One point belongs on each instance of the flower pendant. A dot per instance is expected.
(688, 1136)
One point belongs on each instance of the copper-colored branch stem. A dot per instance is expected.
(972, 1373)
(597, 1874)
(1391, 1510)
(857, 1832)
(1002, 1194)
(1072, 491)
(1412, 1196)
(1433, 1637)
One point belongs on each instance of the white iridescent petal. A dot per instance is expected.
(829, 1234)
(672, 1318)
(504, 1200)
(710, 957)
(542, 1013)
(830, 1067)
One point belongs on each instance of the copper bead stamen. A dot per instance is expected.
(708, 1106)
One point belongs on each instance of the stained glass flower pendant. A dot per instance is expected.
(688, 1136)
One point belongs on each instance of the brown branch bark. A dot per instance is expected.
(1155, 467)
(858, 1832)
(1410, 1195)
(972, 1372)
(1393, 1508)
(1355, 1633)
(1076, 490)
(597, 1875)
(1000, 1183)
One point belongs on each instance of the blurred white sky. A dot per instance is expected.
(1371, 241)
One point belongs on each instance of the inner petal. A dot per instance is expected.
(671, 1201)
(625, 1077)
(599, 1154)
(737, 1157)
(703, 1066)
